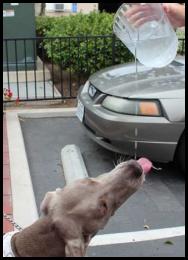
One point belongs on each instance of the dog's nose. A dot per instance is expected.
(145, 164)
(138, 171)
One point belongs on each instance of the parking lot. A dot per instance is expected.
(158, 204)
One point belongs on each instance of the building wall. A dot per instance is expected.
(51, 6)
(37, 8)
(87, 7)
(81, 7)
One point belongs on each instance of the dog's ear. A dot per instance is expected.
(45, 203)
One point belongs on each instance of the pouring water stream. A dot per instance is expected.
(136, 76)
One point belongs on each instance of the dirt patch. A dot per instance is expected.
(66, 81)
(42, 104)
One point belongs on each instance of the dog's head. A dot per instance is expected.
(75, 216)
(80, 209)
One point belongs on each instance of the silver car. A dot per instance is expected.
(139, 114)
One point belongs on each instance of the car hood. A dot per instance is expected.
(122, 81)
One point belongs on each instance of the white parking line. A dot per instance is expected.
(138, 236)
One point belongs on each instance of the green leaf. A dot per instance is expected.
(146, 227)
(168, 242)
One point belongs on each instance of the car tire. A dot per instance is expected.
(181, 153)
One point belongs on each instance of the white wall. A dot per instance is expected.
(51, 6)
(87, 7)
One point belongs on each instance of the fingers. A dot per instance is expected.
(140, 14)
(144, 20)
(166, 7)
(137, 9)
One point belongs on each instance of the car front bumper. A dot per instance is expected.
(156, 138)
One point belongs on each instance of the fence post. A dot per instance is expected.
(183, 47)
(113, 48)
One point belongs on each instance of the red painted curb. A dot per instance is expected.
(7, 193)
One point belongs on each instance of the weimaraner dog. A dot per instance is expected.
(74, 214)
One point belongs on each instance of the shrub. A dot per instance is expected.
(94, 23)
(44, 24)
(87, 53)
(181, 35)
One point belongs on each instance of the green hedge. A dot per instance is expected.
(181, 35)
(44, 24)
(84, 54)
(94, 23)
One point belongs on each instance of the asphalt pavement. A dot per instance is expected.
(159, 204)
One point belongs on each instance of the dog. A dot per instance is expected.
(72, 216)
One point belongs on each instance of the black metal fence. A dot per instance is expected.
(181, 49)
(54, 68)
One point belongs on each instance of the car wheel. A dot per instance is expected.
(181, 153)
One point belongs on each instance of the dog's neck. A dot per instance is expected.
(39, 239)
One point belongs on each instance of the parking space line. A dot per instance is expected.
(138, 236)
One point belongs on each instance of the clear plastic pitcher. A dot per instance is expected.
(146, 31)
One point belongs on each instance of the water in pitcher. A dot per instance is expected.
(156, 52)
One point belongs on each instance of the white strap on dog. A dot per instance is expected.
(7, 250)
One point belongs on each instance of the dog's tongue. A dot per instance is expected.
(145, 164)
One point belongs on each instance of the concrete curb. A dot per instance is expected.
(73, 164)
(24, 205)
(43, 112)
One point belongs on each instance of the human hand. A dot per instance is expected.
(139, 14)
(175, 13)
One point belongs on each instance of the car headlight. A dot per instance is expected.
(92, 90)
(132, 107)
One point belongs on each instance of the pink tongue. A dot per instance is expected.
(145, 164)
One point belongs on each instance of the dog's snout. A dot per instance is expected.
(138, 172)
(136, 168)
